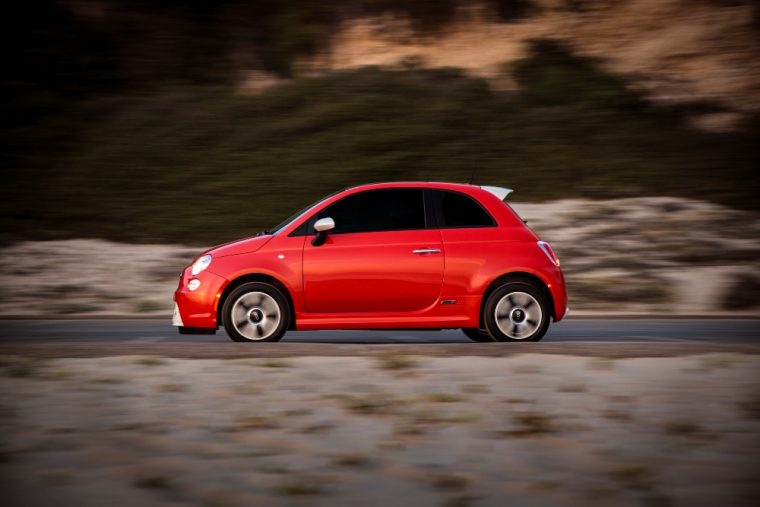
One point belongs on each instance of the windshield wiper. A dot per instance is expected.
(264, 232)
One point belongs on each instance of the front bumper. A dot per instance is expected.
(198, 308)
(176, 317)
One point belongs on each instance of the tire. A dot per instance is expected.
(256, 312)
(516, 312)
(477, 335)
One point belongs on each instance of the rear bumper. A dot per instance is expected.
(558, 289)
(197, 309)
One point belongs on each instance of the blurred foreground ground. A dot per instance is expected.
(653, 255)
(387, 430)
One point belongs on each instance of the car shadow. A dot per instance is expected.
(376, 337)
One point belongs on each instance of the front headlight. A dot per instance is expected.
(201, 264)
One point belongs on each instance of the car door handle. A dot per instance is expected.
(421, 251)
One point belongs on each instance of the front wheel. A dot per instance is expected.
(256, 312)
(516, 312)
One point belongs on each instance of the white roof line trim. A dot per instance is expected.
(499, 192)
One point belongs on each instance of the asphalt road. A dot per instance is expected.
(608, 330)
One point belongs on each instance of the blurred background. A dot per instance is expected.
(136, 134)
(628, 129)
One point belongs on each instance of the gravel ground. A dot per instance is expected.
(390, 429)
(228, 350)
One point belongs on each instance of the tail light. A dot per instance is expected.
(547, 249)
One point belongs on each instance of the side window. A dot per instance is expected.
(378, 210)
(459, 210)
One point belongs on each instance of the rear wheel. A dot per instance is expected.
(516, 312)
(256, 312)
(477, 335)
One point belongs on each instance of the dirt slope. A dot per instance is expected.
(675, 50)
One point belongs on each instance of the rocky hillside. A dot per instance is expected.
(676, 51)
(681, 51)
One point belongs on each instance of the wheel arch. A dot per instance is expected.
(518, 277)
(256, 277)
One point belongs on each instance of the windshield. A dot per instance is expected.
(298, 215)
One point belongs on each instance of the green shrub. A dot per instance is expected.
(187, 161)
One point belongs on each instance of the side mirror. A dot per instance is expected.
(322, 226)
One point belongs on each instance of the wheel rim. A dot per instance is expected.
(256, 315)
(518, 315)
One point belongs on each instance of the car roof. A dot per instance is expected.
(500, 192)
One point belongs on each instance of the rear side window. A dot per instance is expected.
(459, 210)
(378, 210)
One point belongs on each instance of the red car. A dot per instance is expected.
(381, 256)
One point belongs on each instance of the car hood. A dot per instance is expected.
(241, 246)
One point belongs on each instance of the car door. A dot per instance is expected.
(380, 258)
(473, 242)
